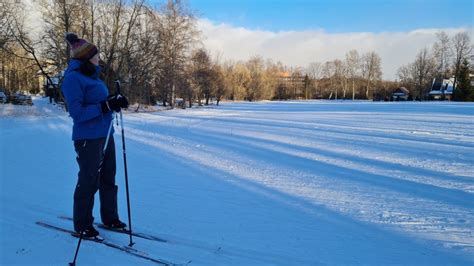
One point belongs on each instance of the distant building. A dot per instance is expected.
(442, 89)
(284, 76)
(401, 94)
(291, 86)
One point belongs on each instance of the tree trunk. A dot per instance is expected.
(367, 88)
(172, 100)
(353, 90)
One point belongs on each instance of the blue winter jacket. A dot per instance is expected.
(83, 95)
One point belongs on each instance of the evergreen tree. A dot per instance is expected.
(464, 90)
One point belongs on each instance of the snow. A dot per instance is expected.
(267, 183)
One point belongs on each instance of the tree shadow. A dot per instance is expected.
(332, 237)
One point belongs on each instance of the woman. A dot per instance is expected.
(92, 112)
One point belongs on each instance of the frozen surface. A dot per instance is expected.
(268, 183)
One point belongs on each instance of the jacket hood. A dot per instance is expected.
(75, 64)
(72, 66)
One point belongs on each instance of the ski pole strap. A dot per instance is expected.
(108, 136)
(117, 86)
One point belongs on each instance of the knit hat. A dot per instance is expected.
(80, 48)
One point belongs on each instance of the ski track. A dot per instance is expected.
(386, 206)
(381, 176)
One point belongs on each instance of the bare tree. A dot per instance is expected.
(442, 54)
(371, 70)
(295, 83)
(462, 50)
(202, 75)
(241, 79)
(353, 68)
(185, 86)
(314, 71)
(423, 69)
(271, 78)
(219, 83)
(178, 34)
(341, 74)
(328, 73)
(60, 16)
(109, 33)
(6, 18)
(227, 69)
(5, 38)
(404, 73)
(17, 42)
(130, 35)
(256, 68)
(142, 67)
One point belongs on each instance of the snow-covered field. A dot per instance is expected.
(269, 183)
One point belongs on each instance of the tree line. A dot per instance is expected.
(448, 57)
(157, 50)
(148, 47)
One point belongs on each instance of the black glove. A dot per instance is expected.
(114, 103)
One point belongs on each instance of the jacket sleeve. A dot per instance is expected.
(74, 95)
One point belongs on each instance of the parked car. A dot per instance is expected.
(3, 97)
(20, 99)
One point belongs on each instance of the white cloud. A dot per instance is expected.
(34, 23)
(299, 48)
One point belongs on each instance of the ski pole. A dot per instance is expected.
(101, 162)
(117, 85)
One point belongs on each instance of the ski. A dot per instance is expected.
(95, 239)
(128, 250)
(124, 231)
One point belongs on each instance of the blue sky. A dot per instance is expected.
(300, 32)
(338, 15)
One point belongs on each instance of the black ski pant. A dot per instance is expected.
(89, 155)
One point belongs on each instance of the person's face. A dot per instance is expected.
(95, 59)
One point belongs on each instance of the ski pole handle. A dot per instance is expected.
(117, 86)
